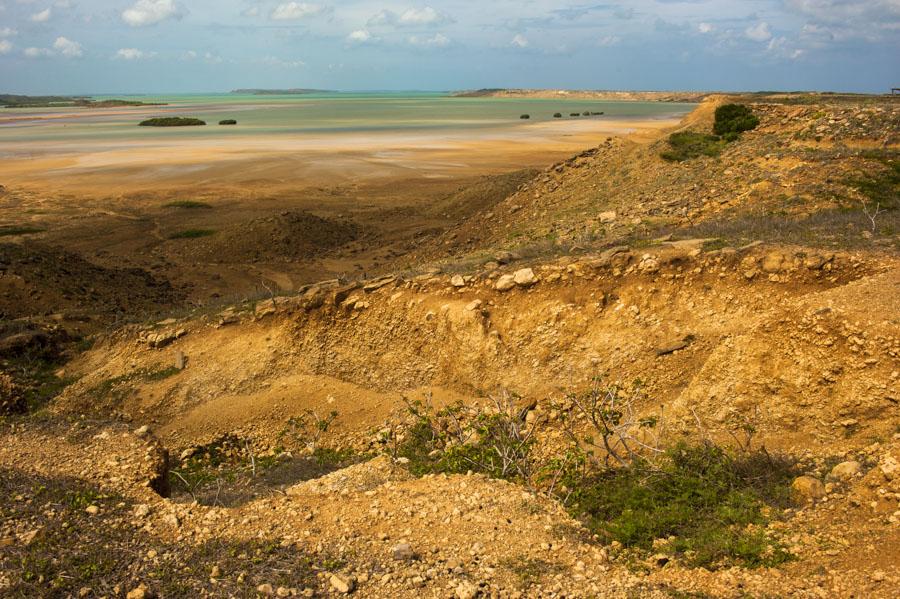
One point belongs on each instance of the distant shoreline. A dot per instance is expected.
(621, 96)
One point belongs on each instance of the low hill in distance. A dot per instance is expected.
(278, 92)
(18, 101)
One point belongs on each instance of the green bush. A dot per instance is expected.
(557, 115)
(172, 121)
(685, 145)
(709, 505)
(525, 116)
(734, 119)
(228, 122)
(187, 204)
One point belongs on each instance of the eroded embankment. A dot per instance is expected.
(804, 345)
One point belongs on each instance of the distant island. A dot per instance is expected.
(629, 96)
(172, 121)
(17, 101)
(278, 92)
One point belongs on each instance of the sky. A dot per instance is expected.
(185, 46)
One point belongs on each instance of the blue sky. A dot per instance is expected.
(135, 46)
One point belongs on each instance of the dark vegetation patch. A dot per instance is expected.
(228, 122)
(192, 234)
(172, 121)
(880, 186)
(730, 121)
(188, 204)
(70, 549)
(10, 230)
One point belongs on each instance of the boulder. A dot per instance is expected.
(808, 488)
(846, 470)
(607, 217)
(458, 281)
(505, 283)
(525, 277)
(773, 262)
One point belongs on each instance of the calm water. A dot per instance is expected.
(315, 113)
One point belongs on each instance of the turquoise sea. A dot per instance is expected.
(320, 113)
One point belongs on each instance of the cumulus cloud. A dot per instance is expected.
(150, 12)
(759, 32)
(705, 28)
(609, 40)
(5, 46)
(133, 54)
(68, 48)
(412, 17)
(438, 40)
(37, 52)
(292, 11)
(42, 17)
(8, 32)
(360, 36)
(519, 41)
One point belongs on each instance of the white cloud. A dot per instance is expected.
(705, 28)
(37, 52)
(133, 54)
(438, 40)
(759, 32)
(519, 41)
(609, 40)
(253, 11)
(150, 12)
(42, 17)
(412, 17)
(8, 32)
(360, 36)
(5, 46)
(68, 48)
(292, 11)
(272, 61)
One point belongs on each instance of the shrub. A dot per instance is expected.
(734, 119)
(575, 114)
(187, 204)
(192, 234)
(709, 504)
(172, 121)
(525, 116)
(10, 230)
(557, 115)
(228, 122)
(586, 113)
(685, 145)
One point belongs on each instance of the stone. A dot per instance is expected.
(525, 277)
(808, 488)
(473, 306)
(846, 470)
(180, 360)
(458, 281)
(93, 510)
(141, 510)
(283, 592)
(607, 217)
(773, 262)
(466, 590)
(140, 592)
(889, 466)
(403, 552)
(342, 584)
(265, 589)
(505, 283)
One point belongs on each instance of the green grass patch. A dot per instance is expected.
(686, 145)
(188, 205)
(192, 234)
(708, 505)
(880, 187)
(733, 119)
(9, 231)
(172, 121)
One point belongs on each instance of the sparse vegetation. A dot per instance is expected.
(228, 122)
(733, 119)
(10, 230)
(172, 121)
(525, 116)
(192, 234)
(685, 145)
(188, 205)
(557, 115)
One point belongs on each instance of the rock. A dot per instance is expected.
(889, 466)
(283, 592)
(93, 510)
(674, 346)
(466, 590)
(378, 283)
(505, 283)
(142, 432)
(140, 592)
(807, 488)
(458, 281)
(846, 470)
(342, 584)
(525, 277)
(141, 510)
(403, 552)
(607, 217)
(265, 589)
(473, 305)
(180, 360)
(505, 257)
(773, 262)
